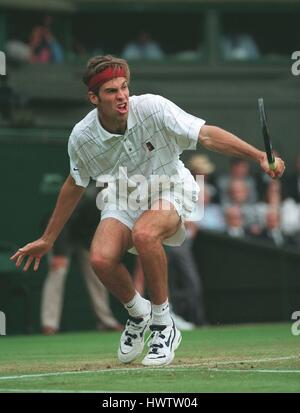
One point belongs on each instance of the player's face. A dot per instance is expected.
(113, 98)
(113, 104)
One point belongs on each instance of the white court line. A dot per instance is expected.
(58, 391)
(256, 360)
(254, 371)
(3, 390)
(172, 367)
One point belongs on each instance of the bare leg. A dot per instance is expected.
(148, 234)
(98, 293)
(111, 240)
(138, 277)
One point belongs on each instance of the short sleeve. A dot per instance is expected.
(77, 169)
(181, 126)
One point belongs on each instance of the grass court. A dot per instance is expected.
(243, 358)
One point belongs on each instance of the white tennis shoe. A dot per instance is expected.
(132, 338)
(163, 342)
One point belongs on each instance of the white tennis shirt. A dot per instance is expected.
(157, 133)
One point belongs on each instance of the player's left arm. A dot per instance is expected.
(219, 140)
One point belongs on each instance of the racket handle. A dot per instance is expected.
(272, 166)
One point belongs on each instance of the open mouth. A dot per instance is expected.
(122, 108)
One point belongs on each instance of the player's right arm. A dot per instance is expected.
(222, 141)
(67, 200)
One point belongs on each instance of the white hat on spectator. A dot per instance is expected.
(201, 164)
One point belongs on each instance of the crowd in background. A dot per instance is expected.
(243, 204)
(44, 46)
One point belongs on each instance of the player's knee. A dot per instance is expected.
(143, 237)
(101, 264)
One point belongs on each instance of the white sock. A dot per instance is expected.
(138, 306)
(161, 314)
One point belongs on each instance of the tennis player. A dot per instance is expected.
(143, 135)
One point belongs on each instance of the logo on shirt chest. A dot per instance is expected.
(150, 146)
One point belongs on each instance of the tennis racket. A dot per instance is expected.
(266, 134)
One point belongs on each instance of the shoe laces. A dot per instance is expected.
(132, 328)
(156, 338)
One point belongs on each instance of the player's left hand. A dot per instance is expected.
(34, 251)
(279, 167)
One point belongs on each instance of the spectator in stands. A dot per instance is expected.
(290, 211)
(238, 195)
(273, 232)
(198, 162)
(239, 168)
(207, 215)
(212, 218)
(292, 183)
(75, 238)
(290, 221)
(234, 222)
(272, 199)
(273, 194)
(239, 46)
(44, 46)
(200, 165)
(143, 48)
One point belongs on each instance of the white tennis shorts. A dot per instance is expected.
(184, 204)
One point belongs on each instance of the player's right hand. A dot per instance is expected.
(34, 250)
(279, 169)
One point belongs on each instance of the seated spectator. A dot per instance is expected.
(39, 45)
(239, 46)
(210, 218)
(202, 165)
(43, 44)
(207, 214)
(234, 222)
(292, 183)
(239, 168)
(271, 199)
(238, 196)
(143, 48)
(273, 232)
(290, 221)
